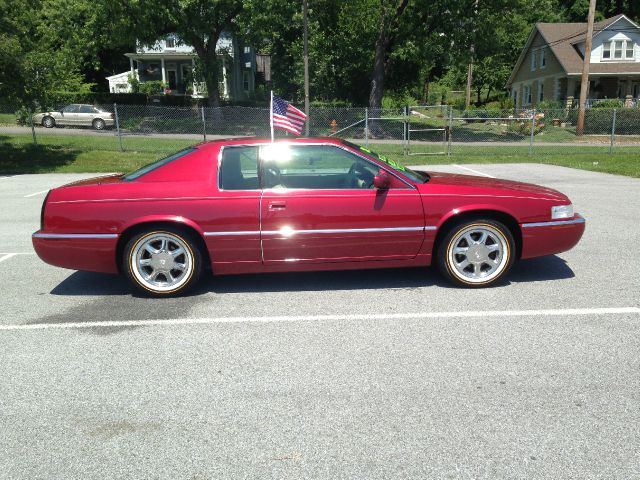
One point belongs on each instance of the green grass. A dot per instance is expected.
(66, 154)
(7, 119)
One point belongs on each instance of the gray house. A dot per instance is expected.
(172, 62)
(550, 65)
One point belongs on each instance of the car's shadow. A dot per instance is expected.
(533, 270)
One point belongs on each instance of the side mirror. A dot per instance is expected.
(382, 180)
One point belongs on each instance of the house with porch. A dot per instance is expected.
(550, 64)
(173, 62)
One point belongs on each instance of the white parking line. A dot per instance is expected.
(7, 256)
(37, 193)
(474, 171)
(319, 318)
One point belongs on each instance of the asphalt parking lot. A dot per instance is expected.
(372, 374)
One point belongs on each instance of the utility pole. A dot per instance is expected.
(305, 14)
(469, 80)
(584, 83)
(472, 51)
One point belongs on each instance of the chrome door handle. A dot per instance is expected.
(277, 205)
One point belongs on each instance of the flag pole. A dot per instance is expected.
(271, 116)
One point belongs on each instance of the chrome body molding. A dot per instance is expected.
(75, 235)
(290, 232)
(554, 223)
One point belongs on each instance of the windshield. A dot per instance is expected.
(418, 177)
(157, 164)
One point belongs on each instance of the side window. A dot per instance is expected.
(86, 109)
(70, 109)
(239, 169)
(315, 167)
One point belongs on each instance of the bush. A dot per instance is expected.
(152, 87)
(598, 121)
(549, 105)
(608, 103)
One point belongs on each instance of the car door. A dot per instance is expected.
(68, 115)
(319, 205)
(233, 231)
(86, 115)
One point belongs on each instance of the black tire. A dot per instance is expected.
(48, 122)
(483, 263)
(163, 284)
(98, 124)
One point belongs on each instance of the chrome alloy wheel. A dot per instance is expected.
(161, 262)
(478, 253)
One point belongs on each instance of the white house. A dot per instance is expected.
(172, 61)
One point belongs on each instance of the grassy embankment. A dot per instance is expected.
(85, 153)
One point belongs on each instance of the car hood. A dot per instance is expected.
(465, 182)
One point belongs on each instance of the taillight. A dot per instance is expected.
(42, 210)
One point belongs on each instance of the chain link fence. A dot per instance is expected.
(418, 130)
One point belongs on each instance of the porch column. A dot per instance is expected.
(193, 75)
(225, 91)
(164, 72)
(131, 65)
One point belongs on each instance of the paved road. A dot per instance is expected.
(376, 374)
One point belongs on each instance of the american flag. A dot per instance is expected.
(286, 116)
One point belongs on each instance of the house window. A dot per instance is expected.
(534, 56)
(526, 95)
(170, 42)
(245, 82)
(617, 52)
(540, 90)
(629, 50)
(543, 58)
(514, 95)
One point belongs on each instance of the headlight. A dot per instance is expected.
(562, 211)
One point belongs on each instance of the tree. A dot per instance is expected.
(37, 55)
(198, 23)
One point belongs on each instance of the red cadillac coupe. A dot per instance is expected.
(249, 205)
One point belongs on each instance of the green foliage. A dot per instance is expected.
(608, 103)
(152, 87)
(549, 105)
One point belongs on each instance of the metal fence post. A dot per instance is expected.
(366, 127)
(405, 129)
(115, 110)
(533, 129)
(450, 133)
(33, 130)
(204, 125)
(613, 130)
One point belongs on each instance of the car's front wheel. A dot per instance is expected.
(476, 253)
(162, 262)
(98, 124)
(48, 122)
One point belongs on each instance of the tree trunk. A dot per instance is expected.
(488, 94)
(478, 91)
(377, 79)
(383, 46)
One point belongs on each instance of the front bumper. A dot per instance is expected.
(78, 251)
(548, 238)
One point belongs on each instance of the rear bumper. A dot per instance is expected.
(548, 238)
(78, 251)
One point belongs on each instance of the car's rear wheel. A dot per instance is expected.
(476, 253)
(98, 124)
(162, 262)
(48, 122)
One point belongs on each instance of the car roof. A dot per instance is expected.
(262, 140)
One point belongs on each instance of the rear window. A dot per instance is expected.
(157, 164)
